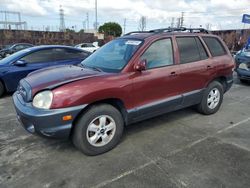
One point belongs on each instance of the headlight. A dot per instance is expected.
(243, 66)
(43, 100)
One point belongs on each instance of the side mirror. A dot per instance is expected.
(141, 65)
(20, 63)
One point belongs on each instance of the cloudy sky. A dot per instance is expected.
(219, 14)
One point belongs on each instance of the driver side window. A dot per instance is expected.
(159, 54)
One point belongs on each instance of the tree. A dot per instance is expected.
(142, 24)
(111, 28)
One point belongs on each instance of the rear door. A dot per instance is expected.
(196, 67)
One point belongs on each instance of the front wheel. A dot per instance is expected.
(212, 99)
(98, 130)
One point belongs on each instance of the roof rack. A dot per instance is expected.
(171, 29)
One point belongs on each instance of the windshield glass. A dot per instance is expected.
(113, 56)
(13, 57)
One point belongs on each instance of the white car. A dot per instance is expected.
(90, 47)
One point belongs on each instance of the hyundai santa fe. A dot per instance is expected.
(130, 79)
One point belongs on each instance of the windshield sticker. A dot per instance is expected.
(133, 42)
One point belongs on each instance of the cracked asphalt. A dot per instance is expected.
(179, 149)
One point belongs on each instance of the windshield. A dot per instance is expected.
(113, 56)
(13, 57)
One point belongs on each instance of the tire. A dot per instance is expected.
(212, 99)
(243, 81)
(88, 132)
(2, 89)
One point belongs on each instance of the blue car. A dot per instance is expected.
(18, 65)
(242, 60)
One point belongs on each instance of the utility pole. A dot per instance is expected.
(87, 19)
(124, 26)
(142, 24)
(62, 22)
(182, 19)
(172, 22)
(96, 23)
(178, 23)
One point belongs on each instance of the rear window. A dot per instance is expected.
(214, 46)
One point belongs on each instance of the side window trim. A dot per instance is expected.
(197, 39)
(173, 52)
(205, 47)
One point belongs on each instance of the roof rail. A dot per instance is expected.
(136, 32)
(171, 29)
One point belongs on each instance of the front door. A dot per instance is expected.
(155, 90)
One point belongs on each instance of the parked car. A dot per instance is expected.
(132, 78)
(242, 59)
(10, 49)
(90, 47)
(16, 66)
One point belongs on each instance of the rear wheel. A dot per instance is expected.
(2, 89)
(212, 99)
(98, 130)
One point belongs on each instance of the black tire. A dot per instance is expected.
(2, 89)
(80, 134)
(203, 107)
(243, 81)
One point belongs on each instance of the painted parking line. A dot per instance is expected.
(104, 183)
(154, 161)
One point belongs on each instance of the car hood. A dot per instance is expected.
(52, 77)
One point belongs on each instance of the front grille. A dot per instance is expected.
(24, 90)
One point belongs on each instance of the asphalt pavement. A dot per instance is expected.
(179, 149)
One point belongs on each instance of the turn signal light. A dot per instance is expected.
(67, 118)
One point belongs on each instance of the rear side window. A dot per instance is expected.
(188, 49)
(67, 54)
(39, 56)
(214, 46)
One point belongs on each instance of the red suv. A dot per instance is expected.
(132, 78)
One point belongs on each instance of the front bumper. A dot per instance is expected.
(243, 74)
(48, 123)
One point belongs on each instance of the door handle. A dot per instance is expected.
(209, 67)
(173, 74)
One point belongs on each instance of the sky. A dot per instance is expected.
(212, 14)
